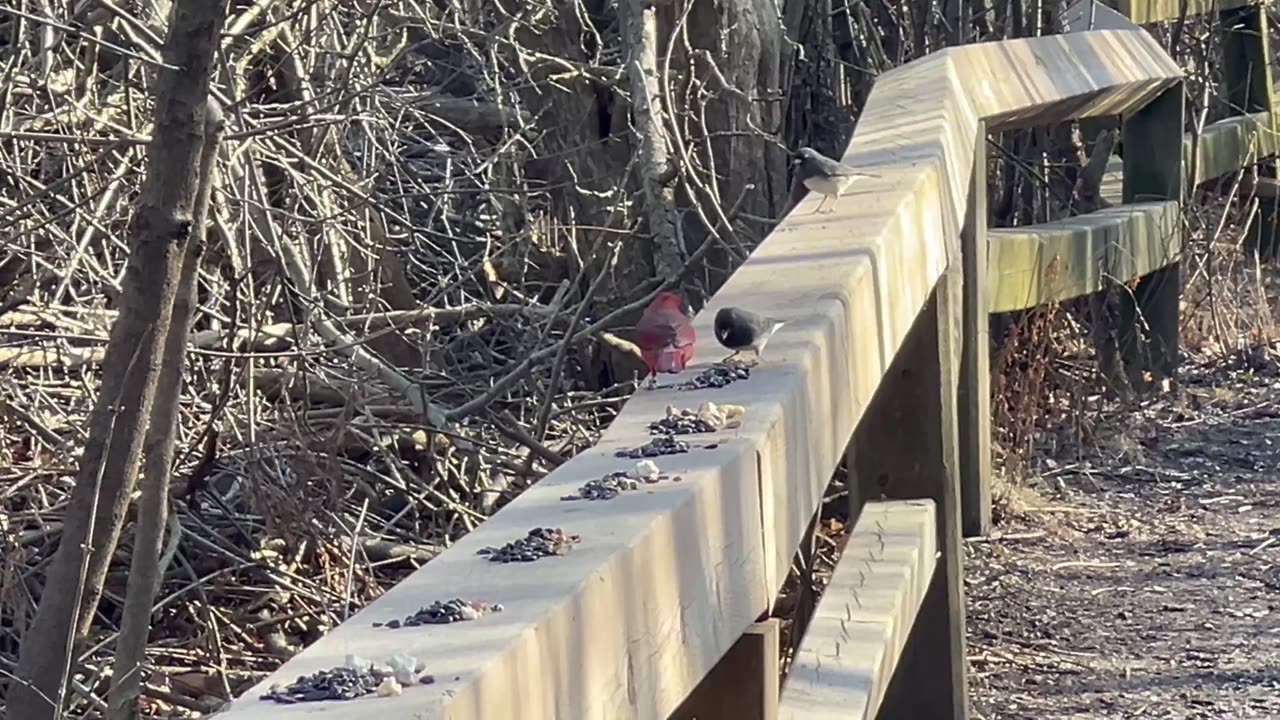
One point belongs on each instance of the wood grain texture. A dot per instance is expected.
(664, 582)
(843, 666)
(887, 461)
(1221, 150)
(974, 394)
(1150, 343)
(744, 684)
(1064, 259)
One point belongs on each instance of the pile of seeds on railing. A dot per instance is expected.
(665, 445)
(716, 376)
(539, 543)
(443, 613)
(709, 417)
(339, 683)
(620, 481)
(604, 488)
(686, 422)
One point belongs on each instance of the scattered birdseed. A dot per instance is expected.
(339, 683)
(444, 612)
(665, 445)
(716, 376)
(604, 488)
(620, 481)
(539, 543)
(681, 422)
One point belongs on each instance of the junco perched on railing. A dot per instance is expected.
(823, 175)
(741, 330)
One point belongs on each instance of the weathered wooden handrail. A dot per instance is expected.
(1057, 261)
(665, 581)
(1051, 262)
(860, 627)
(1152, 11)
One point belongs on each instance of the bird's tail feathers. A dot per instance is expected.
(670, 360)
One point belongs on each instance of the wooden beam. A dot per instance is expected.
(1222, 149)
(1076, 256)
(856, 638)
(1248, 86)
(975, 363)
(666, 579)
(744, 684)
(1153, 170)
(1262, 188)
(1144, 12)
(1230, 144)
(908, 448)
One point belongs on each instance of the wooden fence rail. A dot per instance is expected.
(882, 363)
(1083, 255)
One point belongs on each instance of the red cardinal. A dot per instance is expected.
(665, 336)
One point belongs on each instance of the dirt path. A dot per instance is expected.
(1141, 578)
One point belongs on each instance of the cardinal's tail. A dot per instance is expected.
(670, 360)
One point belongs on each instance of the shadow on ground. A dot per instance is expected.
(1140, 577)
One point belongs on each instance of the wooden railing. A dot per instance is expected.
(883, 363)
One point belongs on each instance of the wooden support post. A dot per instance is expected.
(1148, 319)
(907, 447)
(1246, 71)
(744, 684)
(974, 395)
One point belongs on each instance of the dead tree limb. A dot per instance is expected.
(1089, 186)
(153, 506)
(160, 231)
(640, 34)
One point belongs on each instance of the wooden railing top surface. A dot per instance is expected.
(665, 579)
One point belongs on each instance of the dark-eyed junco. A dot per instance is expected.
(823, 175)
(741, 330)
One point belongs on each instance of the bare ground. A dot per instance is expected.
(1137, 575)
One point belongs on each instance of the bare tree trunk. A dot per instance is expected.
(161, 229)
(732, 120)
(640, 38)
(153, 506)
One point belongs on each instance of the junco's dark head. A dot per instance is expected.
(815, 164)
(739, 329)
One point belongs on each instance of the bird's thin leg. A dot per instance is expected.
(731, 358)
(652, 383)
(821, 202)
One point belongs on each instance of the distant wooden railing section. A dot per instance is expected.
(883, 361)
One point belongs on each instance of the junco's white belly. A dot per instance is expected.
(827, 186)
